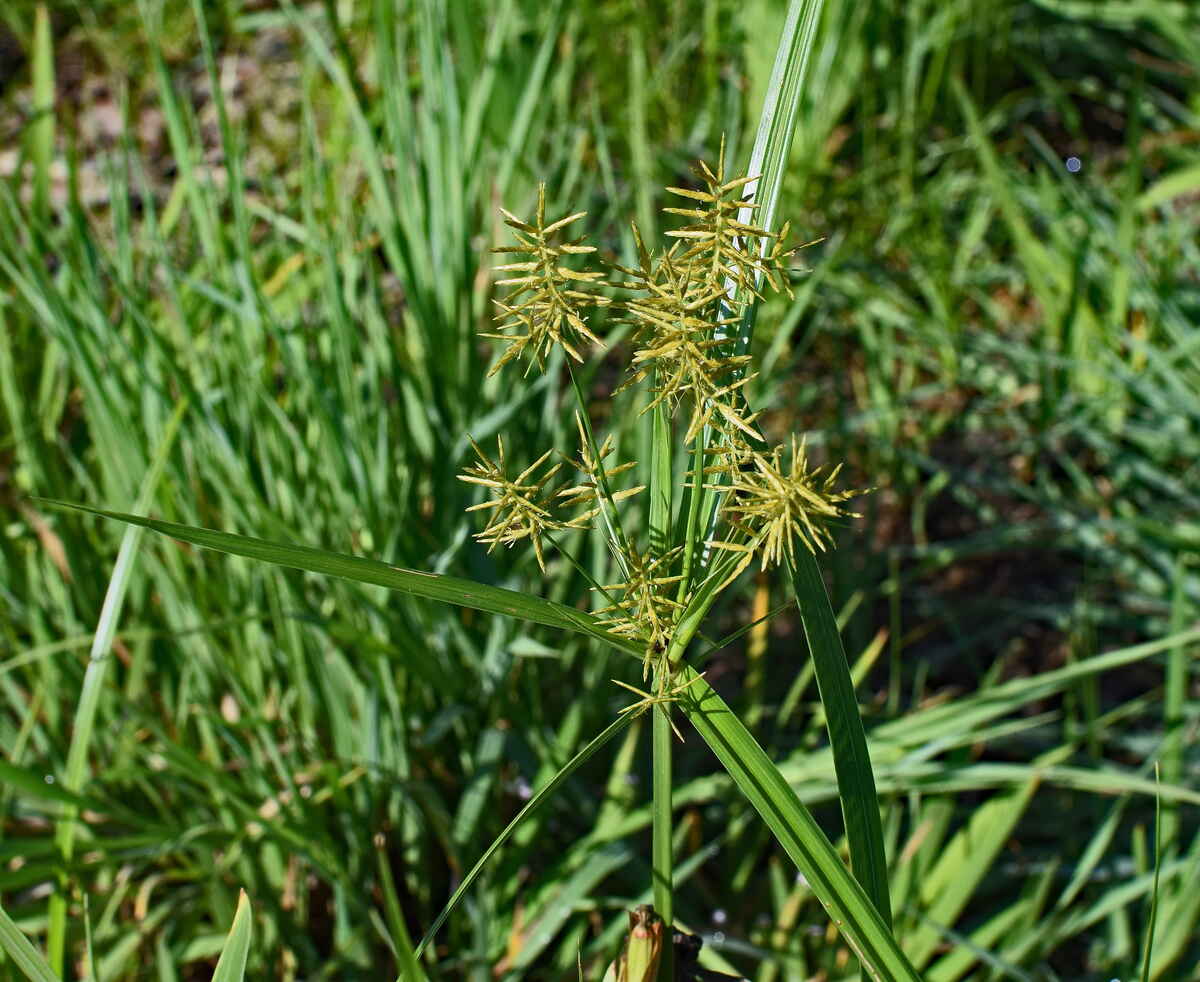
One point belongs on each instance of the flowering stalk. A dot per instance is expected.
(681, 302)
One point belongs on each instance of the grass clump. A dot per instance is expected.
(999, 346)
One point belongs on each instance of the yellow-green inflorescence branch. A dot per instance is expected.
(682, 299)
(544, 305)
(520, 507)
(769, 508)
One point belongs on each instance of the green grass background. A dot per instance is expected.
(288, 225)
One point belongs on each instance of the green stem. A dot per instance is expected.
(580, 568)
(662, 864)
(608, 507)
(696, 493)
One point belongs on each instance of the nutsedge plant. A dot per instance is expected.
(677, 300)
(681, 302)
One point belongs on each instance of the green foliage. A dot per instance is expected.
(1003, 349)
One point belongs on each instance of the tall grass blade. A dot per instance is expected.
(1185, 180)
(856, 785)
(661, 852)
(776, 127)
(852, 911)
(768, 161)
(41, 133)
(231, 966)
(662, 862)
(93, 681)
(19, 948)
(777, 121)
(847, 739)
(406, 955)
(1154, 896)
(430, 586)
(531, 806)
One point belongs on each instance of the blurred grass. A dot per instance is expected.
(1006, 350)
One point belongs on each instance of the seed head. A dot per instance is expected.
(544, 304)
(773, 508)
(692, 293)
(646, 611)
(729, 253)
(676, 321)
(595, 486)
(520, 507)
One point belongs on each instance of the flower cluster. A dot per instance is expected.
(684, 304)
(677, 319)
(646, 611)
(543, 306)
(770, 508)
(525, 507)
(693, 293)
(520, 507)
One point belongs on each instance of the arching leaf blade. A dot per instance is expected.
(430, 586)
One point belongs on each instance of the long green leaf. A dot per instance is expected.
(793, 826)
(93, 680)
(1179, 182)
(847, 740)
(231, 966)
(768, 163)
(19, 948)
(430, 586)
(406, 955)
(535, 802)
(856, 785)
(662, 863)
(776, 127)
(41, 130)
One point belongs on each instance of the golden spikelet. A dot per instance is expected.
(545, 303)
(772, 507)
(730, 255)
(646, 611)
(594, 487)
(691, 293)
(520, 507)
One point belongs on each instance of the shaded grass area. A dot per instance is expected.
(1004, 349)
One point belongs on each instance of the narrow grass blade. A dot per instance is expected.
(531, 806)
(1179, 182)
(662, 861)
(410, 968)
(430, 586)
(847, 739)
(231, 966)
(797, 832)
(42, 129)
(1154, 895)
(34, 786)
(93, 681)
(776, 127)
(768, 162)
(740, 632)
(660, 479)
(19, 948)
(1175, 701)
